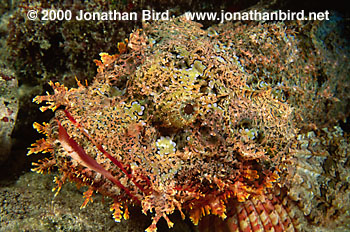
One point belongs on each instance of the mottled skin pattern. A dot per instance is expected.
(205, 122)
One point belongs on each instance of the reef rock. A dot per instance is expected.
(8, 111)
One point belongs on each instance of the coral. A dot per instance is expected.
(206, 122)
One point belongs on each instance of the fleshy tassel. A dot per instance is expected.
(78, 154)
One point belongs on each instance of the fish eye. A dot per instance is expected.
(188, 109)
